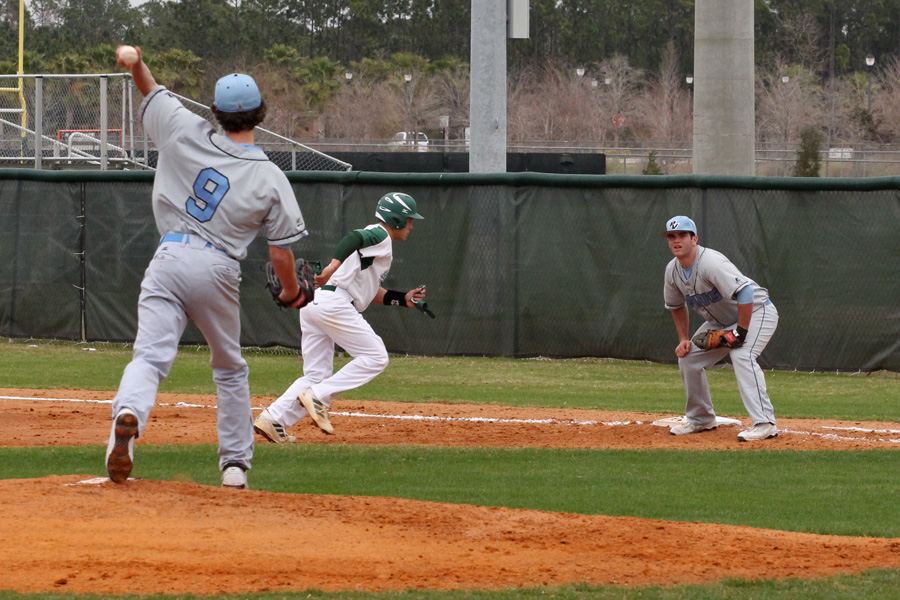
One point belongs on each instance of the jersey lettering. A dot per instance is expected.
(209, 189)
(704, 299)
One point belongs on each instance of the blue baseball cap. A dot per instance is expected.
(237, 93)
(679, 224)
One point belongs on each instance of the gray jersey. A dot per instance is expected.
(711, 289)
(202, 189)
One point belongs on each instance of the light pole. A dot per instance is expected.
(348, 76)
(870, 61)
(407, 77)
(787, 116)
(690, 83)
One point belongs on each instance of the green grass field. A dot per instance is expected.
(573, 383)
(843, 493)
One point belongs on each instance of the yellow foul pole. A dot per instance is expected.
(20, 88)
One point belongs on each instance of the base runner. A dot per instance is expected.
(348, 285)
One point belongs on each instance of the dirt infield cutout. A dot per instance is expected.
(80, 534)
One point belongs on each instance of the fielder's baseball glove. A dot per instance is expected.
(305, 277)
(713, 338)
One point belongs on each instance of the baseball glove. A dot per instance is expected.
(714, 338)
(305, 277)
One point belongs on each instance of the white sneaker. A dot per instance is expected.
(688, 427)
(234, 476)
(120, 450)
(760, 431)
(317, 410)
(267, 427)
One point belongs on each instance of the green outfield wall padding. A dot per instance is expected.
(519, 264)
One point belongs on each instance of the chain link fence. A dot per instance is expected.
(860, 159)
(89, 122)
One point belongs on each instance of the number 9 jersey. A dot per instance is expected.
(213, 187)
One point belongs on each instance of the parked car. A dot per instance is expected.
(409, 140)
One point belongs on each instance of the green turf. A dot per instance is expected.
(876, 584)
(576, 383)
(826, 492)
(846, 493)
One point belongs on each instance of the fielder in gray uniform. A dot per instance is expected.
(211, 195)
(739, 317)
(348, 285)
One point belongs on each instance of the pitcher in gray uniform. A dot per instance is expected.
(707, 282)
(211, 195)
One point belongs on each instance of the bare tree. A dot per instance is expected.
(664, 105)
(552, 103)
(801, 41)
(452, 86)
(621, 82)
(785, 104)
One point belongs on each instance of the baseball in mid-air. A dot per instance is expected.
(128, 54)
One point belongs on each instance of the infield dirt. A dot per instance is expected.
(69, 533)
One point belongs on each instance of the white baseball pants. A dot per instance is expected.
(331, 319)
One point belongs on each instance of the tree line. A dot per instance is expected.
(829, 36)
(363, 69)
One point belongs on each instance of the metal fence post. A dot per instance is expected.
(126, 146)
(38, 122)
(104, 124)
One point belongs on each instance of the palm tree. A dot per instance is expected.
(179, 71)
(318, 80)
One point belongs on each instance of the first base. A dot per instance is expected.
(670, 421)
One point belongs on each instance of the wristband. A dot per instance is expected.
(394, 298)
(741, 333)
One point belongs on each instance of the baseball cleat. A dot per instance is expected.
(760, 431)
(265, 426)
(120, 451)
(234, 476)
(317, 410)
(688, 427)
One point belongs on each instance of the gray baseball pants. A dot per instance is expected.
(750, 377)
(191, 280)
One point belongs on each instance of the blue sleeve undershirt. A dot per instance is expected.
(745, 296)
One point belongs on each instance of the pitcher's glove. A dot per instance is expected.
(305, 277)
(714, 338)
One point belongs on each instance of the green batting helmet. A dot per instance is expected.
(394, 208)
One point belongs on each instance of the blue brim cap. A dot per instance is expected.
(679, 223)
(237, 93)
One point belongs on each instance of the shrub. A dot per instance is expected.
(808, 163)
(652, 167)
